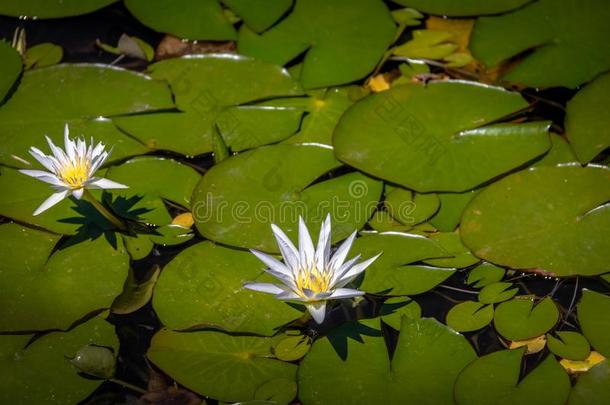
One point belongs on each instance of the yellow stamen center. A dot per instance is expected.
(313, 279)
(75, 173)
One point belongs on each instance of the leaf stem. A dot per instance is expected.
(102, 210)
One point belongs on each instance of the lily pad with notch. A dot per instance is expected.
(519, 319)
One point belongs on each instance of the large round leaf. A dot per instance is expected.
(463, 7)
(587, 120)
(344, 39)
(40, 372)
(593, 387)
(559, 219)
(224, 367)
(593, 310)
(51, 8)
(494, 379)
(519, 319)
(78, 95)
(396, 135)
(238, 199)
(204, 87)
(51, 291)
(10, 68)
(203, 286)
(555, 31)
(351, 365)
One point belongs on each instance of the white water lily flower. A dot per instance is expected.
(311, 275)
(70, 171)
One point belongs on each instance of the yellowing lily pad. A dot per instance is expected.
(54, 290)
(519, 319)
(224, 367)
(343, 39)
(560, 217)
(45, 361)
(203, 286)
(396, 135)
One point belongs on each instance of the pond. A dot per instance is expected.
(304, 202)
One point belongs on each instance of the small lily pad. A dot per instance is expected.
(519, 319)
(569, 345)
(409, 208)
(43, 55)
(10, 68)
(469, 316)
(235, 366)
(497, 292)
(592, 316)
(485, 274)
(292, 348)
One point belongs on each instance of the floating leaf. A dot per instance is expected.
(292, 348)
(582, 366)
(40, 372)
(351, 365)
(393, 310)
(43, 55)
(593, 387)
(259, 14)
(594, 322)
(51, 9)
(587, 120)
(560, 217)
(136, 293)
(533, 345)
(560, 153)
(52, 291)
(138, 246)
(469, 316)
(457, 254)
(427, 44)
(497, 292)
(203, 285)
(519, 319)
(485, 274)
(277, 391)
(410, 208)
(78, 95)
(10, 68)
(463, 7)
(452, 205)
(554, 31)
(494, 379)
(338, 50)
(235, 366)
(415, 149)
(390, 273)
(238, 199)
(569, 345)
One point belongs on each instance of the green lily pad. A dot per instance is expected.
(519, 319)
(452, 205)
(382, 221)
(593, 387)
(10, 68)
(259, 14)
(138, 246)
(458, 255)
(292, 348)
(569, 345)
(43, 55)
(136, 293)
(587, 120)
(393, 310)
(462, 8)
(77, 95)
(338, 50)
(224, 367)
(238, 199)
(51, 9)
(497, 292)
(485, 274)
(45, 290)
(592, 317)
(560, 153)
(390, 272)
(560, 219)
(413, 148)
(277, 391)
(203, 286)
(469, 316)
(205, 86)
(40, 372)
(201, 20)
(494, 379)
(171, 235)
(555, 31)
(411, 208)
(351, 365)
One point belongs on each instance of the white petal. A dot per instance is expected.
(341, 293)
(264, 287)
(57, 152)
(338, 274)
(97, 162)
(69, 144)
(78, 193)
(51, 201)
(289, 252)
(44, 160)
(43, 176)
(306, 250)
(104, 183)
(272, 262)
(355, 271)
(341, 253)
(290, 296)
(317, 311)
(323, 248)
